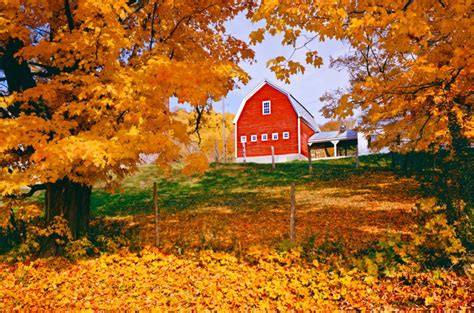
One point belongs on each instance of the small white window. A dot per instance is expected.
(275, 136)
(243, 139)
(286, 135)
(253, 138)
(266, 107)
(264, 137)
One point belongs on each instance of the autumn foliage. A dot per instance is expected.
(219, 281)
(411, 79)
(207, 135)
(87, 93)
(410, 65)
(88, 89)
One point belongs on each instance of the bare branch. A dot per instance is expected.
(405, 7)
(70, 21)
(33, 190)
(152, 35)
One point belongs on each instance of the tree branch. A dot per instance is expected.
(186, 17)
(197, 127)
(405, 7)
(33, 190)
(152, 35)
(70, 21)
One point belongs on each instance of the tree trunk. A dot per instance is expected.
(71, 200)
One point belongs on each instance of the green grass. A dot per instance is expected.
(230, 185)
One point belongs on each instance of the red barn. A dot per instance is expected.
(270, 117)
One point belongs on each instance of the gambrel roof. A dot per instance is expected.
(300, 110)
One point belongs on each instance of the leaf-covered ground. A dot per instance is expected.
(218, 281)
(224, 246)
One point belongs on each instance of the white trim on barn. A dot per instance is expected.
(299, 135)
(235, 140)
(279, 158)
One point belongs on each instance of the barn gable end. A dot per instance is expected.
(288, 118)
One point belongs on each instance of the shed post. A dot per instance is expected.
(309, 159)
(244, 152)
(335, 142)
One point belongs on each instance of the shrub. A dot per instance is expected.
(436, 242)
(25, 236)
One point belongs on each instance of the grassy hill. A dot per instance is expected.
(247, 204)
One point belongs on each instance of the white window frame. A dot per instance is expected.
(253, 138)
(275, 136)
(269, 107)
(243, 139)
(264, 137)
(286, 135)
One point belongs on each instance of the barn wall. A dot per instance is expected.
(253, 122)
(306, 132)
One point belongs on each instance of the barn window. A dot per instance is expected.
(243, 139)
(275, 136)
(266, 107)
(286, 135)
(253, 138)
(264, 137)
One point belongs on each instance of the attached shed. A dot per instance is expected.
(327, 144)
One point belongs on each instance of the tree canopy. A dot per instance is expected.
(89, 83)
(410, 64)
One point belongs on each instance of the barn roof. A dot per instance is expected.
(333, 135)
(300, 110)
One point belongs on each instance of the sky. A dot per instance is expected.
(307, 87)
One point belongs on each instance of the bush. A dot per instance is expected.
(24, 235)
(436, 242)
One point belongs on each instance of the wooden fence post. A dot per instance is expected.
(273, 157)
(216, 151)
(310, 162)
(292, 213)
(157, 216)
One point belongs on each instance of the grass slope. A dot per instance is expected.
(231, 185)
(236, 206)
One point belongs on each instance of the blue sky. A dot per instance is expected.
(307, 87)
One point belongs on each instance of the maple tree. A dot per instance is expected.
(410, 68)
(411, 74)
(207, 135)
(335, 125)
(88, 84)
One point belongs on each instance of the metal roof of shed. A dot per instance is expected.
(333, 135)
